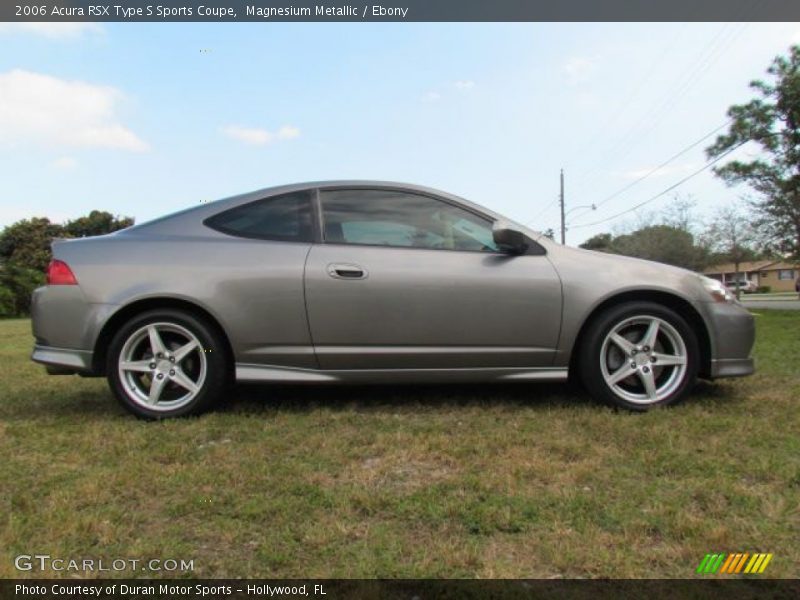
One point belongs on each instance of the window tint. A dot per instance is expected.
(395, 218)
(284, 218)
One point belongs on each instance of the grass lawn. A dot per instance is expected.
(467, 481)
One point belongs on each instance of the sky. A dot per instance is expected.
(144, 119)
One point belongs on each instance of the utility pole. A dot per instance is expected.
(563, 223)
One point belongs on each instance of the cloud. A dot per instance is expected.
(44, 110)
(464, 84)
(53, 31)
(431, 96)
(260, 137)
(287, 132)
(65, 163)
(579, 68)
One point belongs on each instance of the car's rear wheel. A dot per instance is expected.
(166, 363)
(639, 355)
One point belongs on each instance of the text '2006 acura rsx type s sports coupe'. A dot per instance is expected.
(372, 282)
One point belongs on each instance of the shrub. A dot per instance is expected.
(6, 302)
(17, 284)
(763, 289)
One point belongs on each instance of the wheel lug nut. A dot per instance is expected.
(160, 376)
(633, 365)
(652, 359)
(152, 365)
(646, 369)
(172, 359)
(171, 372)
(646, 349)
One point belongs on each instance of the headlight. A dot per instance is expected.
(717, 291)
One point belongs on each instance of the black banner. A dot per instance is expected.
(400, 10)
(389, 589)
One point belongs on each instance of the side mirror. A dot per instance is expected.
(509, 240)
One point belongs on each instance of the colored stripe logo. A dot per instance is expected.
(731, 564)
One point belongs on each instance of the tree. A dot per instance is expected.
(731, 234)
(771, 120)
(680, 213)
(602, 242)
(96, 223)
(26, 243)
(661, 243)
(25, 253)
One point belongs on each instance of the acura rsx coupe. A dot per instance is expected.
(372, 282)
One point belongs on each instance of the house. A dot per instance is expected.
(778, 275)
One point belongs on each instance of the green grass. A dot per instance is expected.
(475, 481)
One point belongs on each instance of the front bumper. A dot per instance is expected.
(732, 331)
(731, 367)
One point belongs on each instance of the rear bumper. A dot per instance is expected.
(62, 361)
(65, 328)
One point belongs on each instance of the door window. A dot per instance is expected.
(402, 219)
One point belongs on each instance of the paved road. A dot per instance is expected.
(774, 304)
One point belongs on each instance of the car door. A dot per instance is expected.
(409, 281)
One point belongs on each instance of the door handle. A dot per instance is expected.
(346, 271)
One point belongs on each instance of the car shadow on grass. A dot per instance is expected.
(305, 398)
(249, 398)
(254, 398)
(245, 399)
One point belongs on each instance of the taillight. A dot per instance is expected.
(59, 273)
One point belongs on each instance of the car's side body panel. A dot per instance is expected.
(253, 288)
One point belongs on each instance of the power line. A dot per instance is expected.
(628, 98)
(669, 189)
(543, 211)
(656, 169)
(707, 57)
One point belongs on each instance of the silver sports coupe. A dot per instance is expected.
(372, 282)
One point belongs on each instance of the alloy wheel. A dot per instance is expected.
(162, 366)
(643, 359)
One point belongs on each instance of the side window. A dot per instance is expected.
(285, 218)
(402, 219)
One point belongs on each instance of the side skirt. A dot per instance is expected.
(277, 374)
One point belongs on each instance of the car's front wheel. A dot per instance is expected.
(639, 355)
(166, 363)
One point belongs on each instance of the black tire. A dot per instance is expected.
(594, 351)
(211, 369)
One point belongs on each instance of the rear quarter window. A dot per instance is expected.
(284, 218)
